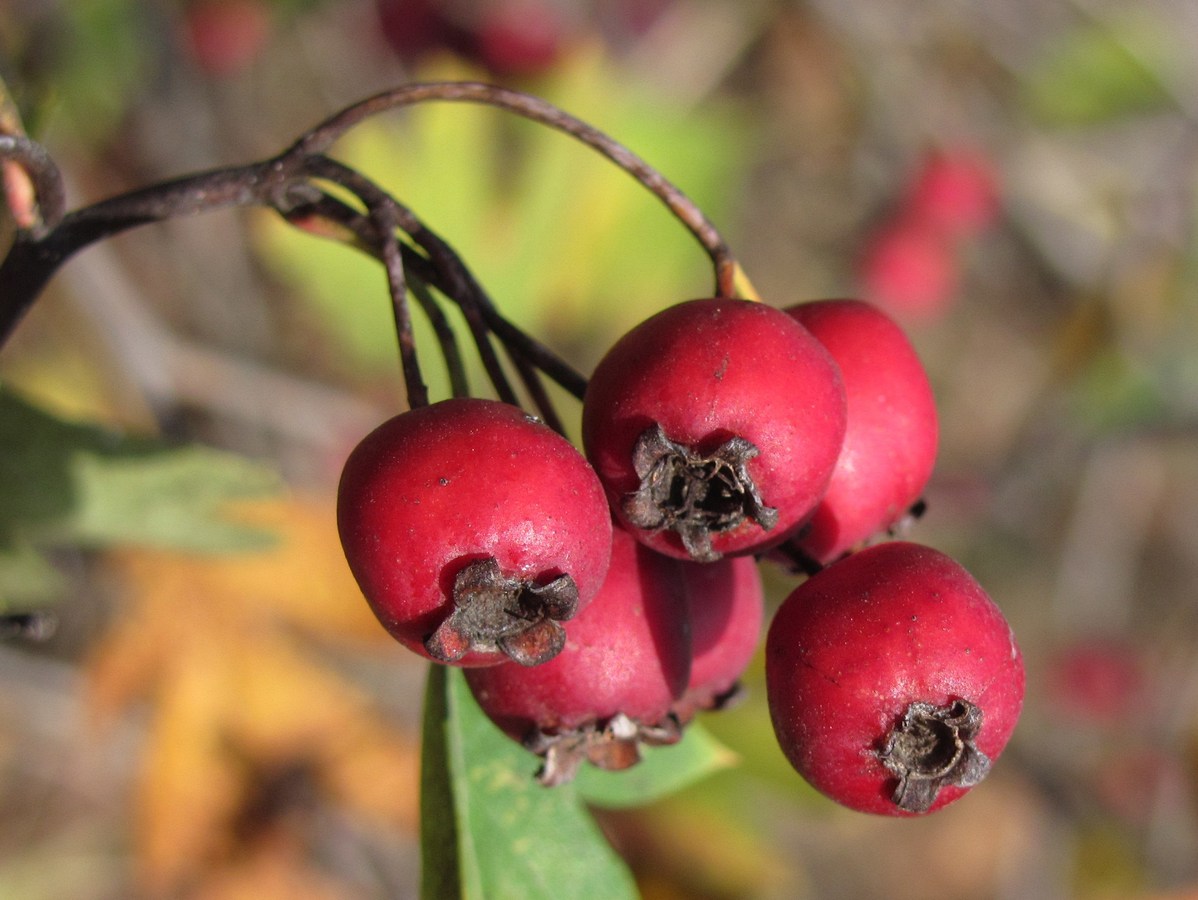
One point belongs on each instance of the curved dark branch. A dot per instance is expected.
(43, 173)
(324, 135)
(31, 261)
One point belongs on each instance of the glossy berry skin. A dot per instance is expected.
(892, 433)
(626, 661)
(714, 426)
(893, 680)
(726, 600)
(443, 509)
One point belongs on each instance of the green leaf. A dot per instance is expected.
(440, 864)
(1117, 391)
(75, 483)
(103, 64)
(489, 829)
(1102, 72)
(662, 771)
(27, 580)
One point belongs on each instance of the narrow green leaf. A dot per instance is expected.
(67, 482)
(509, 837)
(439, 877)
(170, 498)
(662, 771)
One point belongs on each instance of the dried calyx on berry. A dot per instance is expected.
(612, 688)
(932, 747)
(473, 530)
(696, 495)
(893, 680)
(516, 616)
(714, 426)
(613, 744)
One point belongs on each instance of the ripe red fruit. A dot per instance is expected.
(1098, 681)
(910, 269)
(714, 425)
(225, 36)
(625, 662)
(726, 601)
(415, 29)
(956, 191)
(893, 680)
(473, 530)
(520, 38)
(892, 433)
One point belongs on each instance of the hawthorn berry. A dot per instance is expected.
(726, 602)
(1100, 681)
(955, 190)
(520, 38)
(224, 37)
(626, 660)
(893, 680)
(714, 426)
(417, 29)
(473, 530)
(910, 268)
(892, 433)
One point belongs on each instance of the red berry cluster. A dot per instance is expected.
(716, 433)
(912, 260)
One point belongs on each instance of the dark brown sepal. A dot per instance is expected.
(933, 747)
(695, 495)
(497, 612)
(613, 745)
(539, 643)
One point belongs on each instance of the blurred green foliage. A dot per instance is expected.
(70, 484)
(570, 248)
(1100, 71)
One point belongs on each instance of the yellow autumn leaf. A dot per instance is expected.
(231, 656)
(187, 793)
(275, 870)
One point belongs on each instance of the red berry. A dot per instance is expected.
(520, 38)
(225, 36)
(415, 29)
(473, 530)
(893, 680)
(727, 608)
(910, 269)
(1100, 681)
(714, 426)
(956, 191)
(891, 438)
(625, 662)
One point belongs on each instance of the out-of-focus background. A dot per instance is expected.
(216, 715)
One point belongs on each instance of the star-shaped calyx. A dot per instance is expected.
(493, 611)
(694, 494)
(933, 747)
(612, 745)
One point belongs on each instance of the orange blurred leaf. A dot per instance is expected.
(230, 654)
